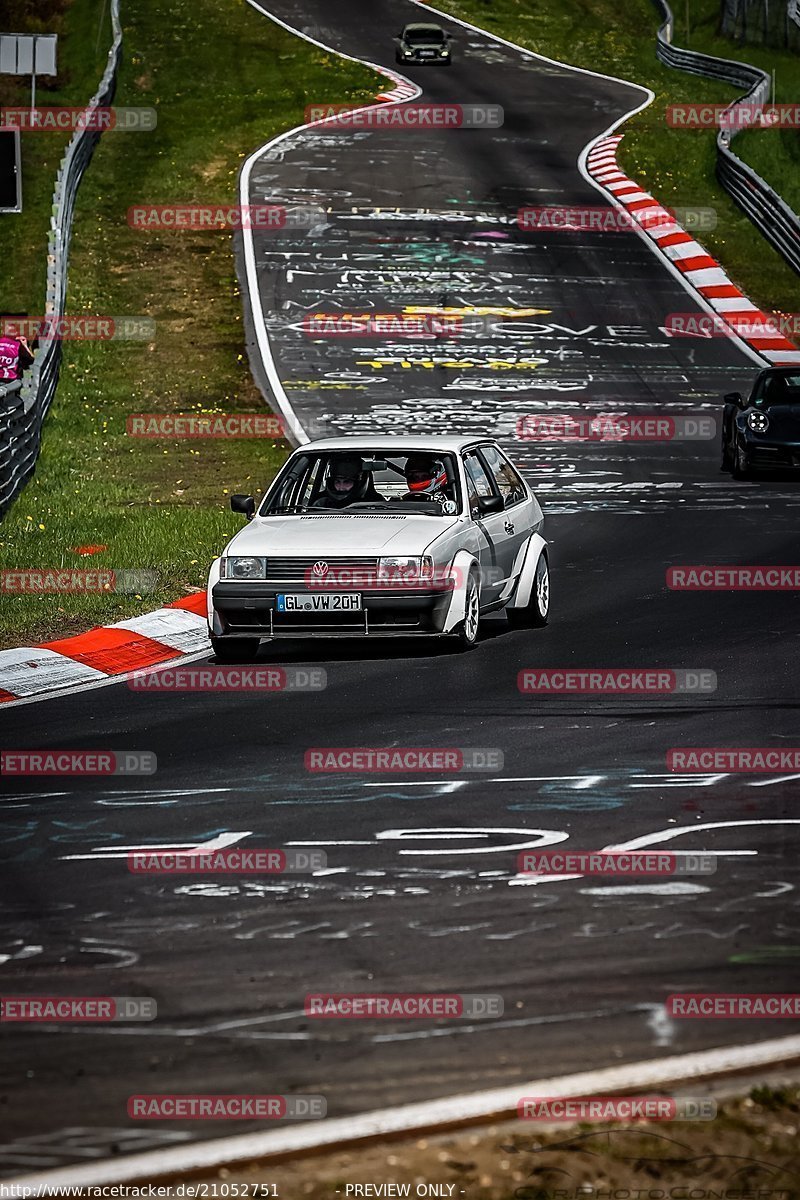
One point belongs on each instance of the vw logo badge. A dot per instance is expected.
(320, 568)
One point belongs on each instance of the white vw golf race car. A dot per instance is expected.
(381, 536)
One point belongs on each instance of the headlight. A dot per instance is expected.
(444, 53)
(405, 571)
(758, 422)
(243, 567)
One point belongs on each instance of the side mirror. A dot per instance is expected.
(734, 398)
(489, 504)
(243, 504)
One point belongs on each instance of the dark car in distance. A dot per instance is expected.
(423, 43)
(763, 429)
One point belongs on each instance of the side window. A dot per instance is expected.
(312, 482)
(297, 488)
(478, 482)
(508, 482)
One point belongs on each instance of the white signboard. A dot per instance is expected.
(28, 54)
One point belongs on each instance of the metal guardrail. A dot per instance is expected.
(23, 406)
(768, 211)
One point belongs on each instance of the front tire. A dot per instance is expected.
(468, 630)
(234, 650)
(741, 463)
(536, 612)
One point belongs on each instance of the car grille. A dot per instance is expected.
(300, 570)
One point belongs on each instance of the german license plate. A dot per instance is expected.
(310, 602)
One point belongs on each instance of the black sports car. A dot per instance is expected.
(423, 43)
(763, 430)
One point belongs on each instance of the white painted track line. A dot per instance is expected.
(295, 430)
(430, 1117)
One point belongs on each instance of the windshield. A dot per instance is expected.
(420, 483)
(777, 389)
(418, 36)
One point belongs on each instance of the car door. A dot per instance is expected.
(495, 551)
(518, 506)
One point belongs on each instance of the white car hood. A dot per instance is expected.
(340, 533)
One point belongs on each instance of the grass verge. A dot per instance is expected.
(224, 80)
(773, 153)
(750, 1151)
(675, 165)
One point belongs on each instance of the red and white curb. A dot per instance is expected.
(698, 269)
(404, 89)
(106, 652)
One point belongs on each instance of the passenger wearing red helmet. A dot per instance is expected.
(426, 477)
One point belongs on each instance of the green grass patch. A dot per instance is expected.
(618, 37)
(224, 80)
(84, 36)
(773, 153)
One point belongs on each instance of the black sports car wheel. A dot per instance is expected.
(741, 463)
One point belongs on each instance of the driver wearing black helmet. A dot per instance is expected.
(347, 482)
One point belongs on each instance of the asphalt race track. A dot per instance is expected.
(421, 892)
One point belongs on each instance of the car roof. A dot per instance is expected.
(421, 28)
(393, 441)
